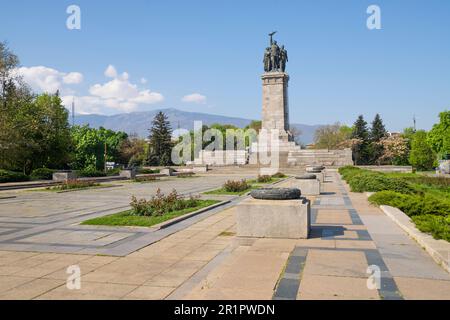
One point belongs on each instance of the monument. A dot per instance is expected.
(276, 136)
(275, 147)
(275, 109)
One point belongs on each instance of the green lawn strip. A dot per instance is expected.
(56, 189)
(222, 191)
(125, 218)
(272, 180)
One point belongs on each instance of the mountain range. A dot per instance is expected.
(139, 122)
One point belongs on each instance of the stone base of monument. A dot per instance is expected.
(128, 173)
(275, 217)
(308, 184)
(63, 176)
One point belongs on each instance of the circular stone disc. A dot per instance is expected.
(276, 193)
(313, 171)
(307, 176)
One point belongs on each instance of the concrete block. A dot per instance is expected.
(128, 173)
(274, 218)
(200, 169)
(308, 187)
(167, 171)
(64, 176)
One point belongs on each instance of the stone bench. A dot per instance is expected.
(274, 213)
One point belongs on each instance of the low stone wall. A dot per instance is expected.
(222, 157)
(307, 157)
(402, 169)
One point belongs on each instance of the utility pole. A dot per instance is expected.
(105, 156)
(73, 111)
(414, 120)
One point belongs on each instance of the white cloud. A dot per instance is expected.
(194, 98)
(73, 78)
(111, 72)
(143, 80)
(118, 94)
(44, 79)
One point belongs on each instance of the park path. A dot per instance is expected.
(205, 260)
(348, 236)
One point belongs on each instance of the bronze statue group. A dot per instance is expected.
(275, 58)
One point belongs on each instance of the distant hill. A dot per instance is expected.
(139, 122)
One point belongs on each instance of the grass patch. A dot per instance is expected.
(271, 180)
(127, 218)
(223, 191)
(145, 179)
(75, 185)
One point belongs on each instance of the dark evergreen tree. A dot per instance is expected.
(377, 132)
(360, 132)
(160, 145)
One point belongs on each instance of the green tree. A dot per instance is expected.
(255, 125)
(89, 146)
(331, 136)
(160, 145)
(361, 134)
(439, 136)
(421, 156)
(132, 151)
(50, 132)
(377, 133)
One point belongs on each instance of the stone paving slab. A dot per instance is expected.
(201, 258)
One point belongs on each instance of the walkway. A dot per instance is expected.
(205, 260)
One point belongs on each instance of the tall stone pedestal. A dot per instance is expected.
(275, 108)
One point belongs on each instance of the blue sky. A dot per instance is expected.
(210, 53)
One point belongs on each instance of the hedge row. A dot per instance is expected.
(369, 181)
(10, 176)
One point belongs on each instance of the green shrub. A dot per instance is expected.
(113, 172)
(441, 182)
(147, 171)
(236, 186)
(279, 175)
(160, 204)
(90, 172)
(264, 179)
(437, 226)
(10, 176)
(42, 174)
(185, 175)
(145, 179)
(349, 171)
(74, 184)
(412, 204)
(373, 182)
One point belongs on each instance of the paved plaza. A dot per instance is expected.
(201, 258)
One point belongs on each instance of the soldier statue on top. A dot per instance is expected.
(275, 58)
